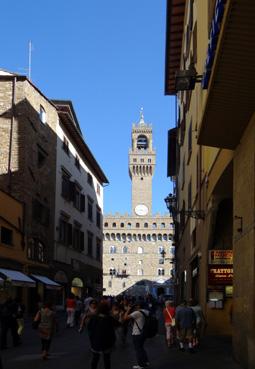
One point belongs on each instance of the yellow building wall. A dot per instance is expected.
(11, 217)
(244, 249)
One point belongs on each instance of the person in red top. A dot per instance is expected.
(169, 317)
(70, 309)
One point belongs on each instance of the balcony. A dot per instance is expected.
(230, 100)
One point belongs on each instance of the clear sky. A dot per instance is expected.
(108, 58)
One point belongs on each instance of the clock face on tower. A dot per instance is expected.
(141, 209)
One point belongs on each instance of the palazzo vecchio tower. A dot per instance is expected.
(137, 248)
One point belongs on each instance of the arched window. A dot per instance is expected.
(145, 225)
(114, 225)
(144, 237)
(129, 225)
(139, 236)
(42, 115)
(122, 225)
(129, 237)
(112, 271)
(125, 250)
(161, 271)
(139, 250)
(113, 249)
(148, 237)
(163, 225)
(165, 237)
(160, 237)
(137, 225)
(154, 225)
(134, 237)
(113, 236)
(107, 236)
(106, 224)
(154, 237)
(123, 236)
(118, 236)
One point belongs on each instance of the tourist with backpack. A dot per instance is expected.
(138, 315)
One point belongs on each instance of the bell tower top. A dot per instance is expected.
(141, 167)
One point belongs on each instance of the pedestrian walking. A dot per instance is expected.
(20, 318)
(70, 309)
(101, 330)
(200, 322)
(88, 313)
(8, 316)
(46, 321)
(169, 317)
(78, 310)
(138, 315)
(185, 323)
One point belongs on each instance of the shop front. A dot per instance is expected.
(220, 291)
(15, 284)
(61, 294)
(46, 290)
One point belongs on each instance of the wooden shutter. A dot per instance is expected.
(69, 234)
(82, 203)
(81, 241)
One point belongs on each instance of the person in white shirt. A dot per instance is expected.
(137, 314)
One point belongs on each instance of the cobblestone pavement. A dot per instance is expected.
(70, 350)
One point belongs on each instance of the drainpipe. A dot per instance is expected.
(11, 131)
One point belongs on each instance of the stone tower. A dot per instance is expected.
(141, 167)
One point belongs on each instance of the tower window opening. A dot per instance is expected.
(142, 142)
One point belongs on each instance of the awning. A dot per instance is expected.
(49, 283)
(17, 278)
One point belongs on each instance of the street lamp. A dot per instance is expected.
(171, 205)
(185, 80)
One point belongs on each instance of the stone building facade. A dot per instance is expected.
(34, 156)
(138, 248)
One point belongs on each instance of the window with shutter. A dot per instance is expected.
(81, 241)
(90, 244)
(65, 186)
(70, 234)
(98, 218)
(71, 191)
(82, 203)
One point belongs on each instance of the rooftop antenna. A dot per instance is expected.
(29, 59)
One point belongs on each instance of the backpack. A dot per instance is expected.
(150, 327)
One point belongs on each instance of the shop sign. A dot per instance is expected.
(223, 257)
(220, 275)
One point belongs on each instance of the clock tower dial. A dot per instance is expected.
(141, 210)
(141, 167)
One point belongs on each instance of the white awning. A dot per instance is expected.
(49, 283)
(17, 278)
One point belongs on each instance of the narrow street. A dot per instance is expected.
(71, 350)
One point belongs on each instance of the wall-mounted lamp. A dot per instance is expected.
(186, 79)
(240, 226)
(171, 205)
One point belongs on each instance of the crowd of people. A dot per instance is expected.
(107, 321)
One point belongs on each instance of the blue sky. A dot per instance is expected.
(108, 58)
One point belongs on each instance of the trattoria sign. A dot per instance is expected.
(222, 257)
(220, 274)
